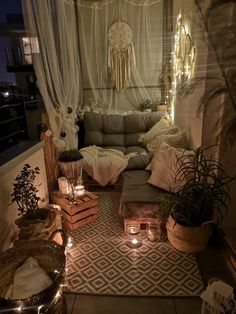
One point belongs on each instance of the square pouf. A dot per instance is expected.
(84, 210)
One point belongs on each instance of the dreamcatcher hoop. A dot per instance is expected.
(121, 56)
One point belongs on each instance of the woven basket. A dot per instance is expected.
(50, 256)
(188, 239)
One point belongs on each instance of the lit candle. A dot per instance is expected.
(79, 190)
(64, 185)
(134, 241)
(133, 230)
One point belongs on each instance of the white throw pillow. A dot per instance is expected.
(159, 128)
(164, 167)
(178, 140)
(29, 279)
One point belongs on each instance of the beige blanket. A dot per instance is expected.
(104, 165)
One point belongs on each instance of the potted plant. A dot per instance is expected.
(201, 199)
(70, 163)
(147, 106)
(34, 222)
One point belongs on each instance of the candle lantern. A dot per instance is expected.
(79, 190)
(64, 186)
(134, 240)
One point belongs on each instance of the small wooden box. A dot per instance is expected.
(77, 214)
(140, 223)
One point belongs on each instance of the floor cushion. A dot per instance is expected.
(138, 198)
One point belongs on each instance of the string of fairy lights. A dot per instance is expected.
(42, 308)
(181, 65)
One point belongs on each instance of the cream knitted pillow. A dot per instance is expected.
(178, 140)
(157, 129)
(162, 127)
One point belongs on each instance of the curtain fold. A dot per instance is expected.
(57, 64)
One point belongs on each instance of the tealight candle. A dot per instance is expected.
(79, 190)
(133, 230)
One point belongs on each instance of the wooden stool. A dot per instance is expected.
(77, 214)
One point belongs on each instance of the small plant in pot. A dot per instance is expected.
(201, 200)
(34, 222)
(147, 105)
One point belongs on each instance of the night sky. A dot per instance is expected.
(10, 6)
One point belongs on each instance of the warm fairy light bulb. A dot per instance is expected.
(58, 294)
(39, 308)
(19, 309)
(69, 242)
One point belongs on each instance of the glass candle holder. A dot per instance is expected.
(133, 229)
(134, 240)
(64, 185)
(79, 190)
(152, 231)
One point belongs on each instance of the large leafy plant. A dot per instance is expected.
(203, 195)
(25, 192)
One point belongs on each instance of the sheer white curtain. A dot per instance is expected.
(146, 21)
(57, 65)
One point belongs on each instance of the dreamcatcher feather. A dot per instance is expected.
(121, 56)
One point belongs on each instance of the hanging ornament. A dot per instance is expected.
(121, 56)
(63, 134)
(43, 127)
(69, 110)
(48, 132)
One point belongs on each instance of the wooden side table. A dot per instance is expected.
(77, 214)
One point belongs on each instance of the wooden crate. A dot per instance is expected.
(77, 214)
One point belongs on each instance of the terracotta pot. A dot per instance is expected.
(188, 239)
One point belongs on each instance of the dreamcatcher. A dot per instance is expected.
(121, 56)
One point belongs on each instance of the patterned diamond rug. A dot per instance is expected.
(100, 262)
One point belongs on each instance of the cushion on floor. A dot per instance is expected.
(135, 187)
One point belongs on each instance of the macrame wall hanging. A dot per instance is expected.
(121, 56)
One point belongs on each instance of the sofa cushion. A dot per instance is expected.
(113, 139)
(93, 138)
(134, 149)
(139, 161)
(92, 121)
(135, 123)
(117, 131)
(112, 124)
(130, 126)
(132, 139)
(135, 187)
(120, 148)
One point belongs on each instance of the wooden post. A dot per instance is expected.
(50, 157)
